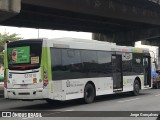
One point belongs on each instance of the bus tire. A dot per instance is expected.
(136, 88)
(89, 93)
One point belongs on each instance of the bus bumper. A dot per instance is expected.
(25, 94)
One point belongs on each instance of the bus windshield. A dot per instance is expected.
(24, 55)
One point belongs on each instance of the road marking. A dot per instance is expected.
(58, 112)
(28, 118)
(129, 100)
(157, 95)
(69, 110)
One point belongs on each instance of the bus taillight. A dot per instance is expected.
(5, 80)
(45, 83)
(45, 79)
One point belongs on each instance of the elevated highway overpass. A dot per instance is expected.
(120, 21)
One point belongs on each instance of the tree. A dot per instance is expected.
(6, 37)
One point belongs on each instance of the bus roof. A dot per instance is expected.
(77, 43)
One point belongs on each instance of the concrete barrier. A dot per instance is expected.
(1, 90)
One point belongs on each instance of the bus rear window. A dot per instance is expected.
(24, 54)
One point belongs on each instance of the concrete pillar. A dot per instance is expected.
(154, 42)
(9, 8)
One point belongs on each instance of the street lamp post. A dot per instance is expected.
(38, 32)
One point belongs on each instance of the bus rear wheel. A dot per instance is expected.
(89, 93)
(136, 88)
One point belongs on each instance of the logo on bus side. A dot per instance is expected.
(10, 75)
(138, 60)
(68, 83)
(126, 56)
(73, 83)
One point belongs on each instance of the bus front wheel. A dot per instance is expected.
(136, 88)
(89, 93)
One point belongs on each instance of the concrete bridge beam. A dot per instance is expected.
(9, 8)
(128, 38)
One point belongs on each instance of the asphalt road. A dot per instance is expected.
(148, 100)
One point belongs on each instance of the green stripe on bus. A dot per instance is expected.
(5, 60)
(6, 64)
(46, 62)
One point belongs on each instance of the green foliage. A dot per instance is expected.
(6, 37)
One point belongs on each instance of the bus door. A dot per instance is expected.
(117, 72)
(147, 70)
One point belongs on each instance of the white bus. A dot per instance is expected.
(68, 68)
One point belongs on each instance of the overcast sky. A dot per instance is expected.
(27, 33)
